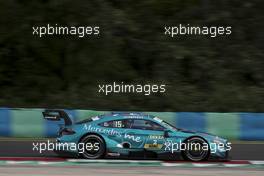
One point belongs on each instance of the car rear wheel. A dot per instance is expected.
(196, 149)
(94, 147)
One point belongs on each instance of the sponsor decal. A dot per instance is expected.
(110, 132)
(153, 146)
(132, 137)
(95, 118)
(156, 137)
(134, 117)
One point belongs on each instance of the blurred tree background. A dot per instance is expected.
(201, 73)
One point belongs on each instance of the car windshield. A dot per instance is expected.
(166, 124)
(88, 120)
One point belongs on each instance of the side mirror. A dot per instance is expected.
(166, 133)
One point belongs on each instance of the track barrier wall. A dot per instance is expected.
(235, 126)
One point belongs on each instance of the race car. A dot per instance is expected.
(134, 135)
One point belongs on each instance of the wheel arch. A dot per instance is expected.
(197, 137)
(91, 133)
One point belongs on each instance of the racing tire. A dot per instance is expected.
(94, 147)
(196, 149)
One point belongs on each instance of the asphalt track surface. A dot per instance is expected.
(131, 171)
(23, 148)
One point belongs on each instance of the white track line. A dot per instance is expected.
(112, 161)
(204, 165)
(18, 162)
(49, 162)
(235, 165)
(173, 164)
(256, 162)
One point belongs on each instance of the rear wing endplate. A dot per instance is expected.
(57, 115)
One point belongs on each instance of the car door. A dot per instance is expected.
(134, 137)
(127, 137)
(145, 134)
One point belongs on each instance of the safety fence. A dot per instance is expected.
(235, 126)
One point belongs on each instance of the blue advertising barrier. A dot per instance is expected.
(235, 126)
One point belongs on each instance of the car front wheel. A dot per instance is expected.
(196, 149)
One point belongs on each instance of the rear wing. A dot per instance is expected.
(57, 115)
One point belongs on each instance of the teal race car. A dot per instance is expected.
(134, 135)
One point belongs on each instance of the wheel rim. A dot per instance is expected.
(92, 147)
(196, 150)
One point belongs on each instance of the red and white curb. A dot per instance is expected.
(234, 163)
(107, 162)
